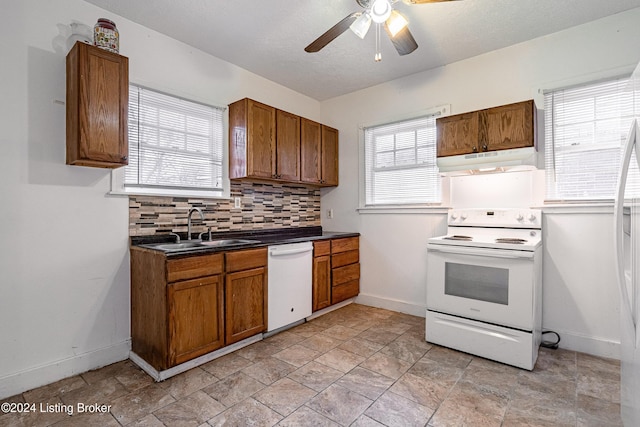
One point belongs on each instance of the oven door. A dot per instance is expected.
(491, 285)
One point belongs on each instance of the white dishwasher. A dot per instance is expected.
(289, 281)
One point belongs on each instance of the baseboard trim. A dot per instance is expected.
(419, 310)
(29, 379)
(595, 346)
(329, 309)
(183, 367)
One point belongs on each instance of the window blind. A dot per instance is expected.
(400, 163)
(585, 130)
(173, 143)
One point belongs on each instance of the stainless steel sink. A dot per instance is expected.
(229, 242)
(185, 246)
(170, 247)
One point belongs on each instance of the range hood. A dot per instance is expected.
(520, 158)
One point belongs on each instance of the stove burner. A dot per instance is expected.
(511, 240)
(458, 237)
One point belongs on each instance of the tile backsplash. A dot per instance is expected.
(263, 206)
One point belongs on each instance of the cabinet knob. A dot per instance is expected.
(485, 147)
(475, 149)
(125, 158)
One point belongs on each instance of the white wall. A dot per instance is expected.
(580, 299)
(64, 266)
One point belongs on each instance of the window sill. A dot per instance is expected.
(169, 193)
(586, 207)
(403, 210)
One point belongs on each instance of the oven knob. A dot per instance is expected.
(532, 218)
(520, 217)
(463, 217)
(454, 217)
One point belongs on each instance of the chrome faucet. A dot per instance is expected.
(191, 211)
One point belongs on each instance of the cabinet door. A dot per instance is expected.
(245, 304)
(261, 147)
(97, 107)
(195, 318)
(287, 146)
(508, 126)
(329, 156)
(311, 151)
(457, 134)
(321, 282)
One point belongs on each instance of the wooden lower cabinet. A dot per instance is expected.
(345, 269)
(336, 271)
(321, 295)
(176, 307)
(245, 294)
(195, 318)
(183, 308)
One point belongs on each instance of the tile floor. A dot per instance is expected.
(357, 366)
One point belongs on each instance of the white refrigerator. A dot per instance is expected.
(627, 250)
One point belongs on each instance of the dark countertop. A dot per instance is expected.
(261, 237)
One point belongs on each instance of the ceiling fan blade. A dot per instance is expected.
(332, 33)
(403, 41)
(424, 1)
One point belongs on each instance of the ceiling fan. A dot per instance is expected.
(378, 12)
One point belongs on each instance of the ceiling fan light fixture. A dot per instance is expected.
(361, 25)
(396, 23)
(380, 11)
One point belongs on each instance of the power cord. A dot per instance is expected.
(550, 344)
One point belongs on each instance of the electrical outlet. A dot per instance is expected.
(330, 213)
(237, 203)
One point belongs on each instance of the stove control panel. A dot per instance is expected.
(509, 218)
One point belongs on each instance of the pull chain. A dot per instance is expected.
(378, 55)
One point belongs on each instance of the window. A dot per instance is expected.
(400, 162)
(585, 130)
(175, 146)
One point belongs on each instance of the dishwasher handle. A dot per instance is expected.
(282, 252)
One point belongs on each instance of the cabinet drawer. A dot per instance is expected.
(344, 245)
(195, 266)
(345, 258)
(345, 291)
(246, 259)
(345, 274)
(321, 248)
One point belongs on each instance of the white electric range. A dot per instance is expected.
(484, 284)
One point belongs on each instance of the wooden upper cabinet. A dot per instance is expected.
(270, 144)
(509, 126)
(287, 146)
(319, 153)
(311, 151)
(252, 148)
(97, 107)
(329, 156)
(498, 128)
(457, 134)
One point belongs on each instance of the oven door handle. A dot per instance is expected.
(485, 252)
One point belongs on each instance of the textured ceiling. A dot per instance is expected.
(268, 37)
